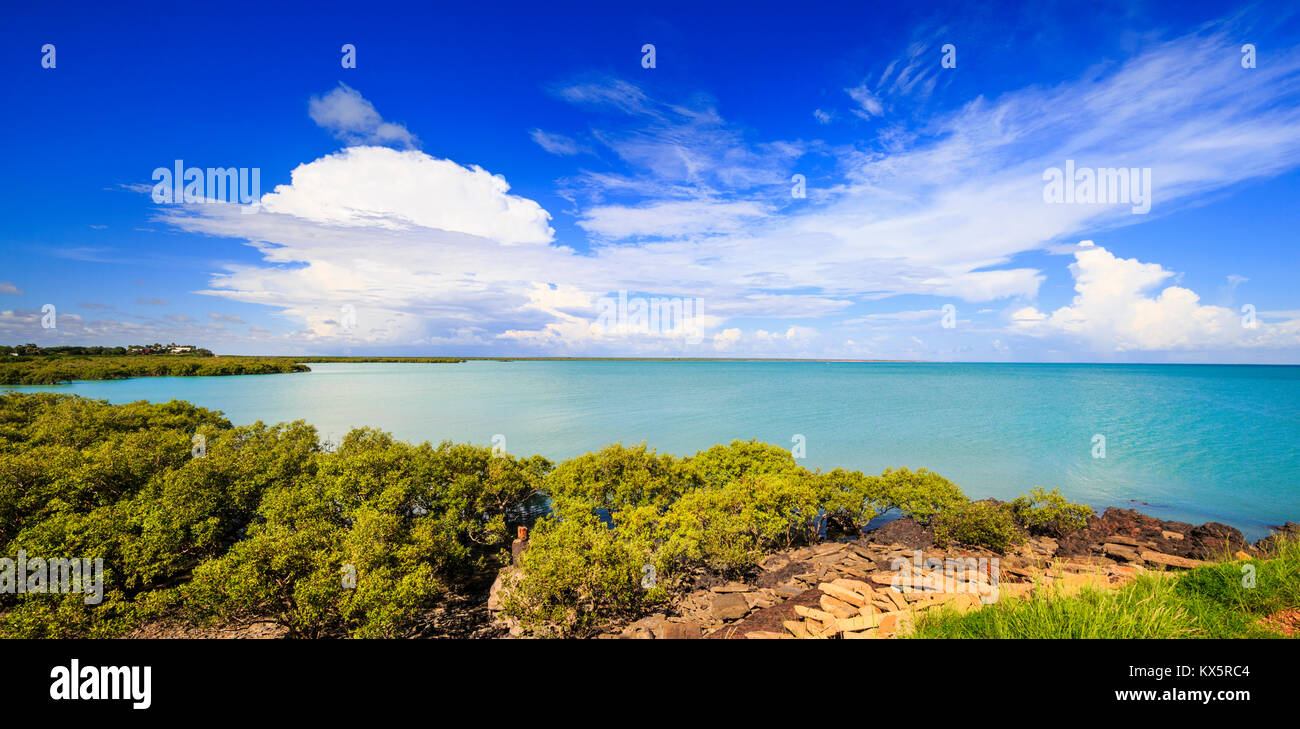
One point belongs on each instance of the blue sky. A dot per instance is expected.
(487, 180)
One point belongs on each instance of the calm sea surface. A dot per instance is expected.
(1194, 443)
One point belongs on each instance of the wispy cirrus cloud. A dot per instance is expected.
(556, 143)
(696, 206)
(869, 105)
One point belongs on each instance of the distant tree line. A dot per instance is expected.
(32, 350)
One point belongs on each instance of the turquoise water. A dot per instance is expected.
(1195, 443)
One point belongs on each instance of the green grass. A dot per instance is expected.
(1206, 602)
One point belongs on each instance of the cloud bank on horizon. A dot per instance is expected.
(929, 237)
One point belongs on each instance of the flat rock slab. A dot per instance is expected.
(770, 619)
(1171, 560)
(789, 591)
(729, 606)
(843, 593)
(1121, 551)
(681, 631)
(733, 587)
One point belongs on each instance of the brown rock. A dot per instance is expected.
(863, 552)
(964, 602)
(733, 587)
(1171, 560)
(681, 631)
(653, 624)
(859, 622)
(838, 608)
(843, 593)
(789, 590)
(1126, 553)
(899, 602)
(884, 577)
(729, 606)
(495, 601)
(896, 623)
(858, 586)
(820, 616)
(796, 628)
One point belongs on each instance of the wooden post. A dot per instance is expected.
(519, 546)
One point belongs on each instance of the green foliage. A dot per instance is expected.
(263, 522)
(729, 528)
(119, 483)
(919, 494)
(409, 522)
(267, 525)
(54, 369)
(977, 524)
(578, 574)
(719, 511)
(615, 478)
(850, 500)
(69, 455)
(1048, 513)
(723, 464)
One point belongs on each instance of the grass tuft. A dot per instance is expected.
(1213, 601)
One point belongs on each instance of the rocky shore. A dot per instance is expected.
(875, 585)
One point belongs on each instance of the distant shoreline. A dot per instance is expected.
(57, 369)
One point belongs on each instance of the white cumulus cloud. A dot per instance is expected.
(386, 188)
(1120, 306)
